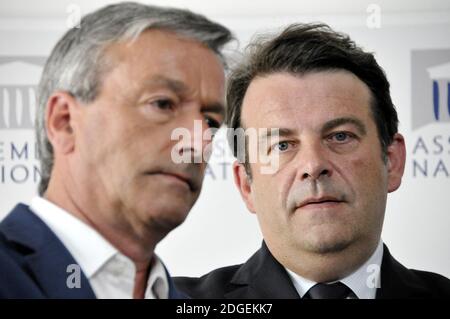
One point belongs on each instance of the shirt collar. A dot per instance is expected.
(86, 245)
(157, 284)
(363, 282)
(92, 251)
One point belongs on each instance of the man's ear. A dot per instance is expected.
(396, 157)
(242, 182)
(59, 121)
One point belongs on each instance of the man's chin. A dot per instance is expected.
(165, 226)
(327, 246)
(167, 220)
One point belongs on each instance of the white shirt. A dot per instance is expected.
(363, 282)
(109, 272)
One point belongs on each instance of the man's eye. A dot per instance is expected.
(281, 146)
(163, 104)
(341, 137)
(212, 123)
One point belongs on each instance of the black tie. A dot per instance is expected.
(336, 290)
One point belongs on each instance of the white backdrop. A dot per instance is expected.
(220, 231)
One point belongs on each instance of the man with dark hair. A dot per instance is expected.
(333, 136)
(111, 94)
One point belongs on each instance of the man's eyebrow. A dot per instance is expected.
(345, 120)
(180, 87)
(172, 84)
(214, 108)
(275, 132)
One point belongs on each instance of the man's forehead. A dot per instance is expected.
(160, 46)
(293, 116)
(287, 98)
(283, 85)
(181, 70)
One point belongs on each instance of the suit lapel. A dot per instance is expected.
(397, 281)
(262, 276)
(46, 257)
(173, 292)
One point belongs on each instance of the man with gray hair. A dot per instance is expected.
(111, 94)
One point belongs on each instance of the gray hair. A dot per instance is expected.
(77, 64)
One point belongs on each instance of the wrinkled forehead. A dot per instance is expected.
(160, 54)
(156, 42)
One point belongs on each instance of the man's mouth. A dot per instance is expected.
(324, 201)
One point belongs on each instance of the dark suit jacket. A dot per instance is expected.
(33, 261)
(262, 276)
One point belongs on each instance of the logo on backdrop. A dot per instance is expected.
(19, 77)
(430, 99)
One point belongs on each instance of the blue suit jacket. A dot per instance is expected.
(33, 261)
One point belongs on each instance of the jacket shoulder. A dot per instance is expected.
(212, 285)
(15, 281)
(438, 285)
(398, 281)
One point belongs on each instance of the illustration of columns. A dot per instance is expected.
(18, 82)
(440, 76)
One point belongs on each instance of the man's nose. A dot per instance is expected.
(313, 162)
(198, 142)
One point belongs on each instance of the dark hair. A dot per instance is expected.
(305, 48)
